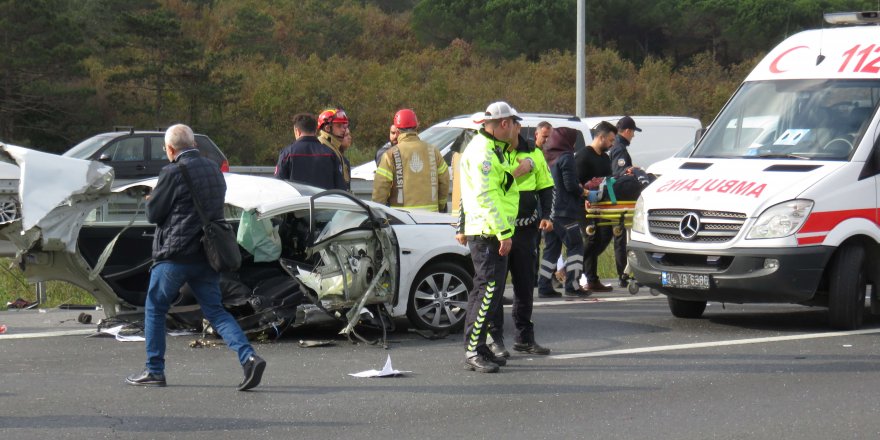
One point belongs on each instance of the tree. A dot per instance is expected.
(41, 72)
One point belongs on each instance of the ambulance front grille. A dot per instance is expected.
(714, 226)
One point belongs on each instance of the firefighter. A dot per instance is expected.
(411, 174)
(490, 198)
(332, 129)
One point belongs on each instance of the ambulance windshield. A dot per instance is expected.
(797, 119)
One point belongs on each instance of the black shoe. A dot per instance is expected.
(599, 287)
(147, 379)
(550, 294)
(574, 295)
(531, 348)
(480, 364)
(623, 281)
(253, 372)
(498, 350)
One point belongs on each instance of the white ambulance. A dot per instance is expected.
(785, 210)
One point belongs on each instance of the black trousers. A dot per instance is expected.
(594, 246)
(490, 274)
(566, 231)
(521, 265)
(620, 253)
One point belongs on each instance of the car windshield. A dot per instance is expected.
(440, 137)
(796, 119)
(88, 147)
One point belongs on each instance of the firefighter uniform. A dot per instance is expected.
(489, 197)
(336, 145)
(535, 203)
(412, 175)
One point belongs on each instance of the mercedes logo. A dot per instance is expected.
(689, 226)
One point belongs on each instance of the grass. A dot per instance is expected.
(14, 286)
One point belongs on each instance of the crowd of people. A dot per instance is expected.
(514, 194)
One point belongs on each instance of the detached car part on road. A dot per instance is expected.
(318, 253)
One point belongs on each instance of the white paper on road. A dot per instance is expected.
(114, 331)
(387, 370)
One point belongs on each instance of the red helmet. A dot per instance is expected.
(405, 119)
(332, 116)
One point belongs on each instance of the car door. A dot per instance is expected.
(343, 251)
(127, 156)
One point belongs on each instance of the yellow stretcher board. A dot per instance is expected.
(619, 215)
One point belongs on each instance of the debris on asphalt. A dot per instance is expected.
(19, 303)
(2, 328)
(387, 371)
(200, 343)
(315, 343)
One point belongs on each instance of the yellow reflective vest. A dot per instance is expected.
(412, 175)
(489, 194)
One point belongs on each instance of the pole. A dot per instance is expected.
(581, 80)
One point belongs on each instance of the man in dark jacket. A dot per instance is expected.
(566, 215)
(621, 164)
(593, 164)
(307, 160)
(179, 257)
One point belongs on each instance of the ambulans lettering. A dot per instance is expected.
(734, 187)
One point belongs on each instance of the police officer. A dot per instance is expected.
(332, 129)
(535, 196)
(489, 197)
(411, 174)
(621, 164)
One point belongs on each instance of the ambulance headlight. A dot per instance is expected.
(781, 220)
(639, 217)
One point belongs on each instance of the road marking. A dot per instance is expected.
(47, 334)
(589, 300)
(715, 344)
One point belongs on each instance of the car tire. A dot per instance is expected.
(681, 308)
(438, 297)
(846, 288)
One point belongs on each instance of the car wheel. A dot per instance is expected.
(438, 297)
(686, 309)
(846, 288)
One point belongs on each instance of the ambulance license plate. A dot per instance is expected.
(685, 280)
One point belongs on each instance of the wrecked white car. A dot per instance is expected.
(307, 254)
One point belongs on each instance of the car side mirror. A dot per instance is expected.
(104, 157)
(698, 135)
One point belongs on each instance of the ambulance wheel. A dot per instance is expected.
(438, 297)
(591, 229)
(617, 230)
(846, 288)
(686, 309)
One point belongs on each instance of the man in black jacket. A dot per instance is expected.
(621, 164)
(307, 160)
(593, 164)
(178, 257)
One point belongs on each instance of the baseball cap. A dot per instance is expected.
(627, 122)
(497, 110)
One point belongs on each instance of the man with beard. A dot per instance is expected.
(593, 165)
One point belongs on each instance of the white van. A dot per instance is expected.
(660, 138)
(778, 202)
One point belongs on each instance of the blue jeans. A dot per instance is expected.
(166, 279)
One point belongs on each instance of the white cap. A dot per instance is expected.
(496, 110)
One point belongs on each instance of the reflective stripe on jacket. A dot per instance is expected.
(412, 175)
(489, 194)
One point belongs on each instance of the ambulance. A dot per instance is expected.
(778, 202)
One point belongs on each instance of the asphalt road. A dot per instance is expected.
(622, 368)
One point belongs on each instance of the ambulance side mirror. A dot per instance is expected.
(872, 165)
(698, 135)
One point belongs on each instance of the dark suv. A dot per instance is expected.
(138, 154)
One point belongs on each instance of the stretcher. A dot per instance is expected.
(619, 216)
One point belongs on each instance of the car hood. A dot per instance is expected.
(746, 185)
(47, 180)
